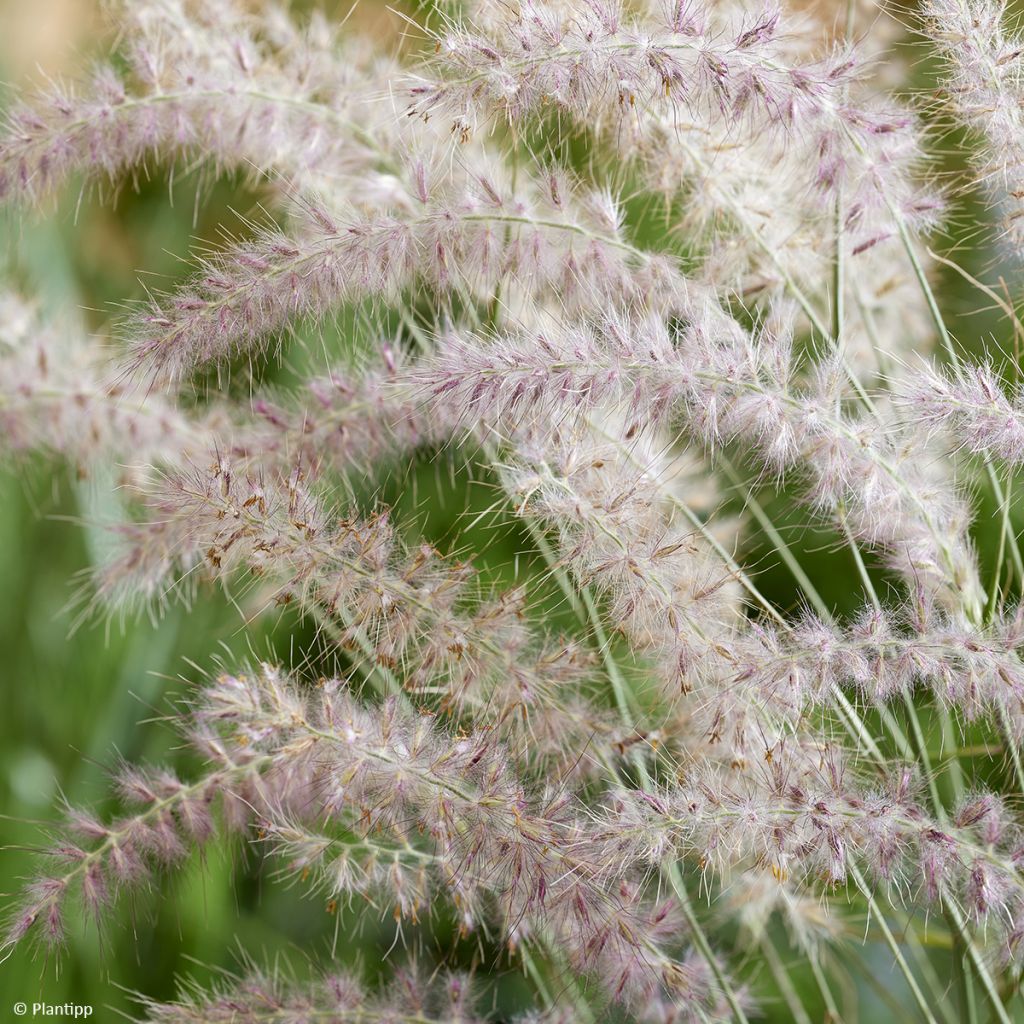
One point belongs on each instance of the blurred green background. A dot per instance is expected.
(73, 703)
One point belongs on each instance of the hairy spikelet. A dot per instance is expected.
(628, 576)
(730, 386)
(985, 88)
(549, 239)
(56, 395)
(339, 998)
(207, 82)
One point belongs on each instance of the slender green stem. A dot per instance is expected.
(834, 1016)
(781, 975)
(992, 605)
(780, 545)
(700, 941)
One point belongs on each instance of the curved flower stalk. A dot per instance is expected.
(817, 827)
(63, 394)
(613, 504)
(210, 82)
(985, 90)
(389, 775)
(596, 60)
(407, 614)
(530, 855)
(348, 421)
(56, 395)
(96, 861)
(601, 64)
(607, 512)
(260, 997)
(971, 669)
(744, 708)
(728, 385)
(546, 237)
(969, 408)
(255, 778)
(671, 593)
(718, 108)
(60, 392)
(271, 527)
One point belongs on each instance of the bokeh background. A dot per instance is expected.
(73, 702)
